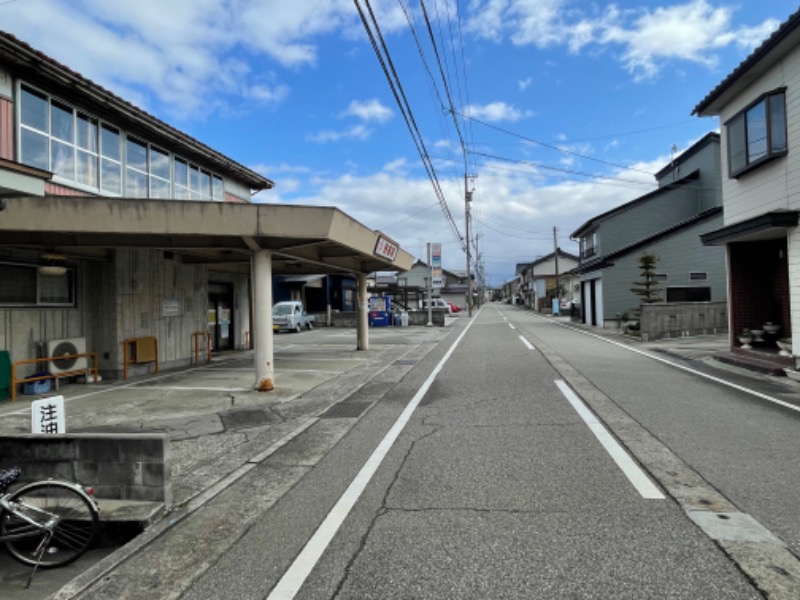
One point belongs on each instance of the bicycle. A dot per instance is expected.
(46, 523)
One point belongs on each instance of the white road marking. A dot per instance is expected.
(295, 576)
(512, 326)
(527, 343)
(730, 384)
(631, 470)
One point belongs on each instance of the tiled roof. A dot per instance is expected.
(757, 55)
(11, 46)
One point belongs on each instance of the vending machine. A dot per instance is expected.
(380, 311)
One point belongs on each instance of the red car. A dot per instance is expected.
(454, 307)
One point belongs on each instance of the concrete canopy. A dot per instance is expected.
(302, 239)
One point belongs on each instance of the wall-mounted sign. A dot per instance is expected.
(386, 248)
(171, 307)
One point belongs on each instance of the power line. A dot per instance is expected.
(552, 147)
(405, 109)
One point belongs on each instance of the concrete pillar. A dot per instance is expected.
(262, 317)
(362, 315)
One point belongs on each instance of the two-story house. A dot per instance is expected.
(758, 105)
(116, 227)
(666, 222)
(547, 277)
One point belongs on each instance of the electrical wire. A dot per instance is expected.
(405, 109)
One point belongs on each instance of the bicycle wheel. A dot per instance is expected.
(73, 533)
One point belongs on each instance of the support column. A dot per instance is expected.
(362, 314)
(262, 317)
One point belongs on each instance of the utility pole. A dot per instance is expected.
(467, 201)
(555, 255)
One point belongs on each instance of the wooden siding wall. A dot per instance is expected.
(6, 129)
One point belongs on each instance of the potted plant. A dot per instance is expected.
(745, 338)
(771, 327)
(785, 345)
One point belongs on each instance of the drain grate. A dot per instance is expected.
(405, 362)
(345, 410)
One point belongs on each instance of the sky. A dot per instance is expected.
(549, 112)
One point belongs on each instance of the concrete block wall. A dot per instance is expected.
(678, 319)
(118, 466)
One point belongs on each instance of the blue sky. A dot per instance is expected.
(566, 107)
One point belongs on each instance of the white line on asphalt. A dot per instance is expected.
(735, 386)
(512, 326)
(635, 475)
(295, 576)
(527, 343)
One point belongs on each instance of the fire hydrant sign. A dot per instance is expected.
(48, 415)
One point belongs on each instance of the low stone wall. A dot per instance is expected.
(118, 466)
(682, 319)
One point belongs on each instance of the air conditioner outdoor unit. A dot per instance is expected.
(56, 349)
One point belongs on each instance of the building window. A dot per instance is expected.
(689, 294)
(698, 276)
(757, 134)
(589, 245)
(23, 285)
(660, 277)
(80, 149)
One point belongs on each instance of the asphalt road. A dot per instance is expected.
(497, 488)
(518, 458)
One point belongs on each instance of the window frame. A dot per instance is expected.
(70, 274)
(209, 186)
(738, 130)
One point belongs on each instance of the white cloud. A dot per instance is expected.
(370, 110)
(524, 84)
(649, 38)
(497, 111)
(357, 132)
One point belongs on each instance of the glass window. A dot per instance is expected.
(205, 184)
(757, 134)
(19, 284)
(135, 184)
(159, 188)
(136, 155)
(777, 115)
(216, 188)
(159, 163)
(111, 180)
(33, 149)
(56, 289)
(87, 168)
(737, 151)
(62, 159)
(62, 123)
(87, 133)
(181, 172)
(33, 111)
(110, 143)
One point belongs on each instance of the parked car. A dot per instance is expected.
(436, 304)
(454, 307)
(291, 316)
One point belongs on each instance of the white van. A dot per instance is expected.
(437, 304)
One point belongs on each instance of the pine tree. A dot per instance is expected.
(647, 287)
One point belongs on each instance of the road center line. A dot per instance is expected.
(309, 556)
(527, 343)
(512, 326)
(630, 469)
